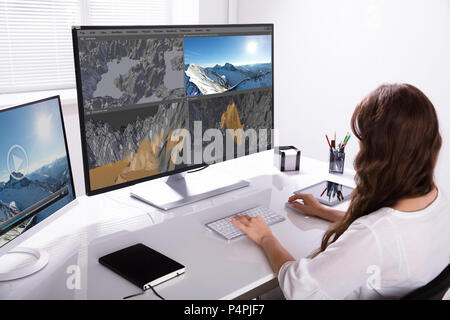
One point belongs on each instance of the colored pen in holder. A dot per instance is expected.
(337, 154)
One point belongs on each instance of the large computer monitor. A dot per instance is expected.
(156, 101)
(35, 175)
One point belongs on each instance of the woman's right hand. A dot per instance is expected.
(310, 204)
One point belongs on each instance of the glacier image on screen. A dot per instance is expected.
(228, 63)
(117, 73)
(33, 166)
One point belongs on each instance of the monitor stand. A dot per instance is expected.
(181, 189)
(21, 272)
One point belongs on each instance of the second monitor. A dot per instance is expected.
(161, 100)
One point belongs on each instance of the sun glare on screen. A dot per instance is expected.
(43, 126)
(252, 46)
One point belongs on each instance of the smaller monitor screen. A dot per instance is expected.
(35, 175)
(328, 192)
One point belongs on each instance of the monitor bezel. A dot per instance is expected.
(80, 100)
(33, 230)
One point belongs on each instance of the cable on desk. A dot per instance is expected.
(134, 295)
(142, 292)
(154, 291)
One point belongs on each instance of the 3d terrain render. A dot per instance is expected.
(140, 149)
(125, 72)
(251, 110)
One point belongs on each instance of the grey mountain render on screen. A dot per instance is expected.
(106, 144)
(117, 73)
(254, 108)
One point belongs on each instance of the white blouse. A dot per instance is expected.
(383, 255)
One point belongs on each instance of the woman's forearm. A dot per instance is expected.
(275, 252)
(331, 214)
(278, 255)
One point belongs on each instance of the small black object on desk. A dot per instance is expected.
(142, 265)
(287, 158)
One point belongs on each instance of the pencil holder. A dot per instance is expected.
(336, 162)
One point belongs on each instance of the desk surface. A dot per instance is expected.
(215, 268)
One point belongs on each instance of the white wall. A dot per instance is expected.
(199, 11)
(329, 54)
(184, 11)
(213, 11)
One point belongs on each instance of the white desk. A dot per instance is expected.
(215, 268)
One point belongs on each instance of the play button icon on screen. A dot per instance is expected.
(17, 162)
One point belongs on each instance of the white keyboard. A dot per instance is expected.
(229, 231)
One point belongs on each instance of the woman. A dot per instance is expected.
(395, 236)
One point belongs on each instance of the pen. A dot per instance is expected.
(323, 191)
(348, 138)
(342, 147)
(328, 140)
(344, 143)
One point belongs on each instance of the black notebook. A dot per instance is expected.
(142, 265)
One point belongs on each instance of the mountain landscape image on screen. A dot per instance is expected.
(228, 63)
(219, 79)
(35, 176)
(20, 192)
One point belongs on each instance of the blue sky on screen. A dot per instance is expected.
(38, 129)
(237, 50)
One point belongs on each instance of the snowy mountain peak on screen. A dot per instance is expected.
(55, 172)
(23, 192)
(6, 212)
(16, 181)
(13, 206)
(218, 79)
(20, 194)
(191, 89)
(227, 66)
(207, 81)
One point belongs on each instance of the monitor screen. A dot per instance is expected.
(35, 174)
(154, 101)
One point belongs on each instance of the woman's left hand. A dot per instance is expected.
(255, 228)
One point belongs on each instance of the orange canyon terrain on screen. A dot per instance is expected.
(144, 162)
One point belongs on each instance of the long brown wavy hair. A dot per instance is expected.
(398, 130)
